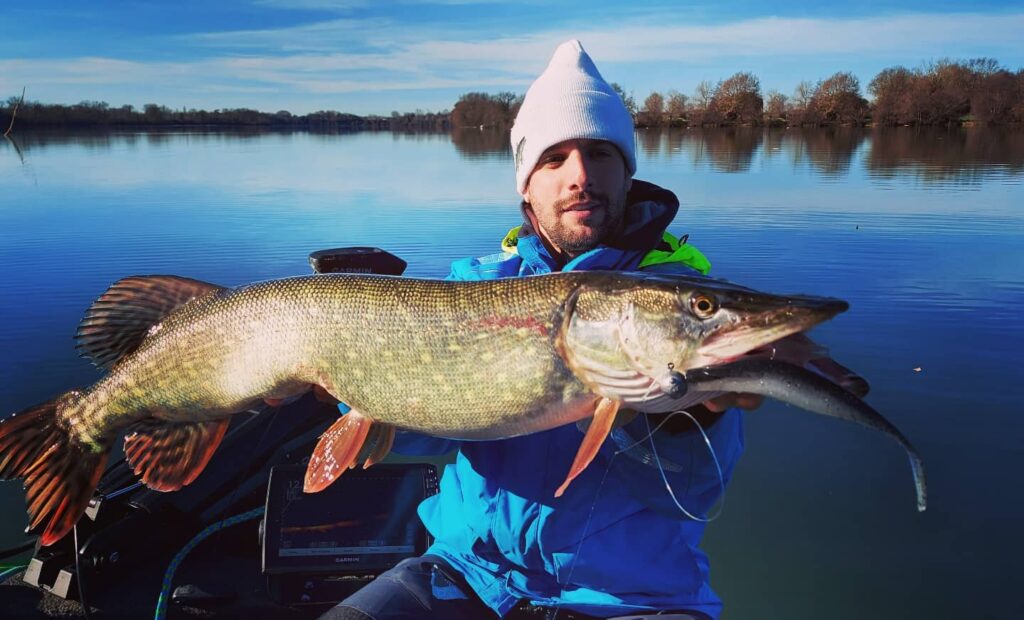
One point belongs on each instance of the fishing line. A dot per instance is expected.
(78, 576)
(661, 468)
(714, 457)
(586, 526)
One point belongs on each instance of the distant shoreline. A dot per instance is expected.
(943, 94)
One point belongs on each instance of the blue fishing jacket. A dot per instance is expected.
(614, 542)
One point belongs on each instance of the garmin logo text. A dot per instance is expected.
(345, 560)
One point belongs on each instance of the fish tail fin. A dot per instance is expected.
(59, 473)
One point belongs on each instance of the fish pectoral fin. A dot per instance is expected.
(170, 455)
(600, 426)
(377, 445)
(622, 418)
(338, 449)
(118, 322)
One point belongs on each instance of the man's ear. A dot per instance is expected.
(526, 192)
(629, 182)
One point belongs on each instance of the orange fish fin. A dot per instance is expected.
(60, 474)
(336, 451)
(377, 445)
(118, 322)
(170, 455)
(604, 418)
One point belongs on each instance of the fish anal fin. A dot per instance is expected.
(118, 322)
(337, 450)
(600, 426)
(170, 455)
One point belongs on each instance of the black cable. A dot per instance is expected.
(78, 578)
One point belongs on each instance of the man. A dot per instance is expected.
(615, 542)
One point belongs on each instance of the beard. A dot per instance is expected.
(578, 237)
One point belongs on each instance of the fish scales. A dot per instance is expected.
(460, 361)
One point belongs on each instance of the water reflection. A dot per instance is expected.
(101, 139)
(828, 150)
(728, 150)
(958, 156)
(475, 143)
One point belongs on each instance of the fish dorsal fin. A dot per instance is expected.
(170, 455)
(118, 322)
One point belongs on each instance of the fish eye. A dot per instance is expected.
(703, 306)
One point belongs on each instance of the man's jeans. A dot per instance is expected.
(427, 588)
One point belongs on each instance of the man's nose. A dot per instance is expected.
(577, 166)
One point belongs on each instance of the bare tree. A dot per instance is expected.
(738, 99)
(775, 106)
(993, 99)
(837, 99)
(483, 110)
(14, 111)
(702, 95)
(654, 109)
(675, 106)
(892, 89)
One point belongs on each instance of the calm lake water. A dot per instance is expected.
(923, 232)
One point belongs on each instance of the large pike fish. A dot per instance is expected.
(464, 360)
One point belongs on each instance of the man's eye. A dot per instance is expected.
(552, 161)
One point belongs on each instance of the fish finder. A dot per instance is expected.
(321, 547)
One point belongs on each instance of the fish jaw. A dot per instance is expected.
(749, 323)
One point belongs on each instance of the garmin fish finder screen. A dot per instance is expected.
(364, 520)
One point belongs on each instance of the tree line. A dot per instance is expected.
(99, 113)
(946, 92)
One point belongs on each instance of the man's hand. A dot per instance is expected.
(706, 413)
(733, 399)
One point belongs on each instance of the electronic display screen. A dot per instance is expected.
(364, 522)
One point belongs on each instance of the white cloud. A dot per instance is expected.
(335, 5)
(755, 37)
(365, 56)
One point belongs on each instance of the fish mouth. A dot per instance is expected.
(754, 323)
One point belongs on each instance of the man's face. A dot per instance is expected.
(577, 192)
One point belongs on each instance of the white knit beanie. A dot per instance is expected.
(570, 100)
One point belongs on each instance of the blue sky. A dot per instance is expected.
(371, 57)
